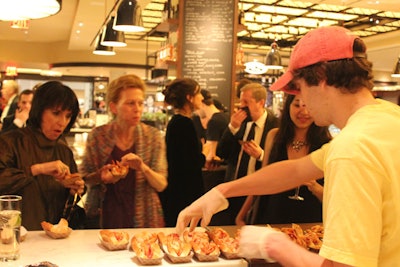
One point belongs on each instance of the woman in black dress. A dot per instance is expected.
(296, 137)
(184, 157)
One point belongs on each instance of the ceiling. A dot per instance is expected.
(286, 21)
(79, 22)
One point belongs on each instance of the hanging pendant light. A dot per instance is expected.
(112, 37)
(28, 9)
(274, 60)
(255, 67)
(396, 71)
(103, 50)
(129, 17)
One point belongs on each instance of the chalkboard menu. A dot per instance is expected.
(207, 45)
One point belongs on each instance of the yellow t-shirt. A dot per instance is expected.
(361, 206)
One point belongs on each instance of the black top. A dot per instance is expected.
(185, 161)
(13, 107)
(8, 124)
(279, 209)
(200, 131)
(229, 146)
(217, 125)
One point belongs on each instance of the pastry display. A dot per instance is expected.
(309, 238)
(228, 245)
(195, 236)
(56, 231)
(114, 240)
(147, 249)
(160, 247)
(206, 251)
(204, 248)
(176, 249)
(318, 229)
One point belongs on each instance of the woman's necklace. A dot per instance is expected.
(297, 145)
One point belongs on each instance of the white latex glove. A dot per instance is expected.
(253, 240)
(203, 208)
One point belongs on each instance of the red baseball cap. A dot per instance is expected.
(321, 44)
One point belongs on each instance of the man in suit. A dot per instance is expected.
(9, 92)
(244, 155)
(21, 115)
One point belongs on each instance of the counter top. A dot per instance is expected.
(82, 248)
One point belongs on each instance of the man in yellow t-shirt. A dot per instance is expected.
(361, 213)
(361, 208)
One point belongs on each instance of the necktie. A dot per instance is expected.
(244, 161)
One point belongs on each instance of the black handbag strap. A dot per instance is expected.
(69, 206)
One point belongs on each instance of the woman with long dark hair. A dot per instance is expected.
(296, 137)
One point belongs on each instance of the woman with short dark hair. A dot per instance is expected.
(35, 160)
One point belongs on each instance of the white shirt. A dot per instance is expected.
(258, 131)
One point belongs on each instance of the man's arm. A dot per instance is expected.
(271, 179)
(278, 177)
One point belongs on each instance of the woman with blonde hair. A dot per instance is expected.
(130, 201)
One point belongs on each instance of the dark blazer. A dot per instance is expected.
(13, 107)
(8, 124)
(229, 148)
(11, 112)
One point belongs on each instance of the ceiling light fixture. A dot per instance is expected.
(103, 50)
(112, 37)
(274, 60)
(129, 17)
(396, 71)
(28, 9)
(255, 67)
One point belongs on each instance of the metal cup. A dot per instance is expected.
(10, 224)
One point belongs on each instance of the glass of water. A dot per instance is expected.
(10, 224)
